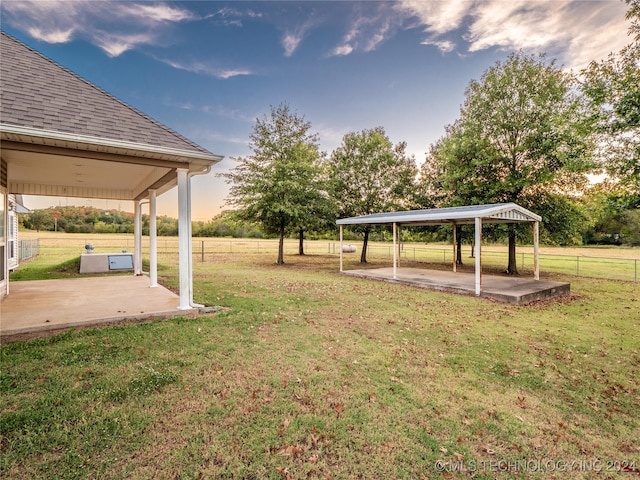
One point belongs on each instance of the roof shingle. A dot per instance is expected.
(38, 93)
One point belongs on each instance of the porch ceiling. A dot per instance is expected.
(37, 173)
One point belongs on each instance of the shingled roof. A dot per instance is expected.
(38, 93)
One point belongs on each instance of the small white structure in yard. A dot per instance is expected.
(475, 215)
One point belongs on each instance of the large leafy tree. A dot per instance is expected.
(521, 137)
(277, 186)
(370, 175)
(613, 86)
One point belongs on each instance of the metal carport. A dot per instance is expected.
(466, 215)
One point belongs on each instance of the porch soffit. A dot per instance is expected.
(32, 173)
(55, 164)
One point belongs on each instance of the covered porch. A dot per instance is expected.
(62, 136)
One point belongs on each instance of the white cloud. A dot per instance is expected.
(445, 46)
(51, 35)
(108, 25)
(290, 42)
(206, 69)
(369, 28)
(156, 13)
(293, 37)
(229, 73)
(115, 45)
(341, 51)
(573, 31)
(233, 17)
(438, 17)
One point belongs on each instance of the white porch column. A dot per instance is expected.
(455, 247)
(395, 250)
(536, 250)
(478, 256)
(137, 238)
(341, 248)
(153, 240)
(184, 238)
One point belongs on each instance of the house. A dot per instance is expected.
(60, 135)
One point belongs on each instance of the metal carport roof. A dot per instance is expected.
(491, 213)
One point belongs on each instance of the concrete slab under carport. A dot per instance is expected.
(40, 306)
(506, 289)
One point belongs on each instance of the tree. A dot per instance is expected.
(522, 135)
(39, 220)
(611, 210)
(370, 175)
(276, 185)
(613, 87)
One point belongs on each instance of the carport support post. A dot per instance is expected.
(399, 249)
(184, 240)
(536, 250)
(455, 246)
(341, 248)
(137, 238)
(478, 256)
(153, 240)
(395, 250)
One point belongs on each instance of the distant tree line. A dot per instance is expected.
(72, 219)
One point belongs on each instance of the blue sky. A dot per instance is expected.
(208, 69)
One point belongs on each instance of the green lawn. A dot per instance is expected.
(310, 374)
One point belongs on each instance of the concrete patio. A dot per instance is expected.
(507, 289)
(36, 307)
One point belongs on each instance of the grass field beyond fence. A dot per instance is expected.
(612, 263)
(309, 374)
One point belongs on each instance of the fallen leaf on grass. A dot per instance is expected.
(291, 451)
(522, 402)
(284, 472)
(285, 425)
